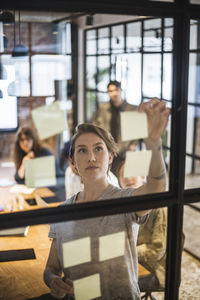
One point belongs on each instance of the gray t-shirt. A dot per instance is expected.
(118, 276)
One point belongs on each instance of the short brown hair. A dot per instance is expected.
(101, 132)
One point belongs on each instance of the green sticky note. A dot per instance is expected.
(133, 125)
(111, 246)
(40, 172)
(76, 252)
(137, 163)
(87, 288)
(49, 120)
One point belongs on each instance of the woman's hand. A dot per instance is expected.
(29, 155)
(21, 170)
(157, 116)
(60, 288)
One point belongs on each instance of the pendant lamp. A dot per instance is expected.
(19, 49)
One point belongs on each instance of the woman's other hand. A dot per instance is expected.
(60, 288)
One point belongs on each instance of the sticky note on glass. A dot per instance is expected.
(133, 125)
(87, 287)
(40, 172)
(76, 252)
(111, 246)
(137, 163)
(49, 120)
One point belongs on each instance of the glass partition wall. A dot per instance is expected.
(161, 37)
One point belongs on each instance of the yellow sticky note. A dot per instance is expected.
(87, 288)
(133, 125)
(49, 120)
(111, 246)
(76, 252)
(40, 172)
(137, 163)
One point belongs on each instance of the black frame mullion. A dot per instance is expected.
(177, 161)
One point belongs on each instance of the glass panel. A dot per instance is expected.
(152, 35)
(132, 88)
(91, 104)
(38, 44)
(168, 39)
(190, 280)
(194, 78)
(167, 76)
(46, 69)
(117, 41)
(193, 148)
(103, 41)
(133, 38)
(103, 72)
(193, 34)
(151, 75)
(195, 2)
(102, 97)
(197, 136)
(17, 72)
(91, 42)
(91, 72)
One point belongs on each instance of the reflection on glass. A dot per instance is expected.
(91, 104)
(167, 77)
(152, 35)
(91, 75)
(193, 34)
(102, 97)
(151, 75)
(192, 148)
(133, 39)
(46, 69)
(193, 90)
(168, 39)
(133, 79)
(39, 30)
(103, 41)
(103, 72)
(190, 265)
(117, 41)
(91, 42)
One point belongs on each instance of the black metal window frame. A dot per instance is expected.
(182, 11)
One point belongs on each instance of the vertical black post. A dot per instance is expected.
(178, 145)
(74, 39)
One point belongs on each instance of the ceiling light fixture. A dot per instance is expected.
(19, 50)
(90, 20)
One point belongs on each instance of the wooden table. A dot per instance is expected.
(24, 279)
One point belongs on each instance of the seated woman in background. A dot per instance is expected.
(151, 243)
(27, 146)
(92, 152)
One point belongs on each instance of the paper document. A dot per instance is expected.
(21, 189)
(49, 120)
(111, 246)
(87, 287)
(137, 163)
(133, 125)
(40, 172)
(76, 252)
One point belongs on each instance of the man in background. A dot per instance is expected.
(108, 114)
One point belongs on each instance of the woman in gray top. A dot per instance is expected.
(92, 152)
